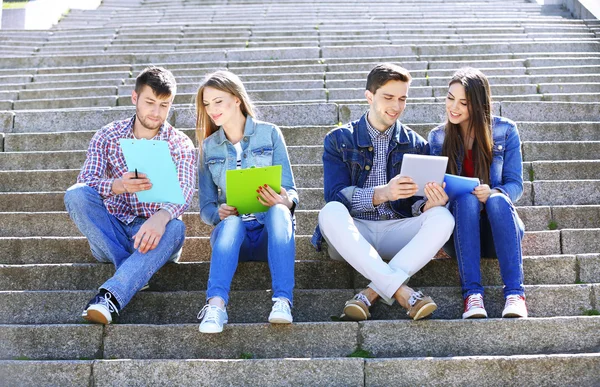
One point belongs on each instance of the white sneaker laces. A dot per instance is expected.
(513, 300)
(210, 314)
(414, 297)
(474, 301)
(281, 306)
(106, 301)
(363, 298)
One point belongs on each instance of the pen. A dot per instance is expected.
(136, 175)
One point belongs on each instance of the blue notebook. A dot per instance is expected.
(459, 185)
(153, 158)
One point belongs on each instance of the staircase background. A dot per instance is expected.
(305, 64)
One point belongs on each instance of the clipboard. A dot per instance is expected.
(241, 185)
(153, 158)
(459, 185)
(424, 169)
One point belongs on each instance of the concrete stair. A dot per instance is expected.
(305, 68)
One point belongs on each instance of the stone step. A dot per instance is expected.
(331, 372)
(253, 306)
(535, 218)
(30, 250)
(571, 369)
(309, 274)
(304, 154)
(555, 335)
(302, 135)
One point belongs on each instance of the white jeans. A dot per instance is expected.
(408, 244)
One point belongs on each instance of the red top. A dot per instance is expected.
(468, 169)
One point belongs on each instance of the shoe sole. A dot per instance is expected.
(279, 320)
(513, 315)
(476, 314)
(355, 312)
(210, 331)
(425, 311)
(96, 317)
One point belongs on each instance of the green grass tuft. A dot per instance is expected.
(552, 225)
(359, 352)
(590, 312)
(531, 175)
(246, 355)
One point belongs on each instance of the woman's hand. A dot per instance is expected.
(225, 211)
(435, 194)
(482, 192)
(269, 198)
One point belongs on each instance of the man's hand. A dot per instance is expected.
(268, 197)
(152, 230)
(129, 184)
(225, 211)
(436, 196)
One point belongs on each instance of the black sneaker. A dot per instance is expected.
(101, 309)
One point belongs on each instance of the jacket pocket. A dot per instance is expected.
(263, 156)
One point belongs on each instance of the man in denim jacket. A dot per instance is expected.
(371, 213)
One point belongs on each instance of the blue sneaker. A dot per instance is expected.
(101, 309)
(213, 318)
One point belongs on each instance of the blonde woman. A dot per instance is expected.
(230, 137)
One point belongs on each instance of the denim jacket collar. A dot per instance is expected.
(363, 140)
(249, 129)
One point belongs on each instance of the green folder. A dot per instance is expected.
(241, 186)
(153, 158)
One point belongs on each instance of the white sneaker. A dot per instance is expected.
(474, 307)
(515, 306)
(281, 313)
(213, 318)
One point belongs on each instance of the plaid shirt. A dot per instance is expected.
(105, 163)
(362, 199)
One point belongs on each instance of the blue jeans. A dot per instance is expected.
(112, 241)
(234, 240)
(496, 233)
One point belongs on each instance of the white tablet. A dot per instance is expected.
(424, 169)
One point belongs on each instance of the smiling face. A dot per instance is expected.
(457, 106)
(387, 104)
(220, 106)
(151, 111)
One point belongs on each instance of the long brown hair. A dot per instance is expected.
(224, 81)
(479, 103)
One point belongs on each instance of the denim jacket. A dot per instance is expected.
(506, 171)
(348, 158)
(262, 145)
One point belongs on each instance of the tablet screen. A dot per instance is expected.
(424, 169)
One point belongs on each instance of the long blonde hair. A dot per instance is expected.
(224, 81)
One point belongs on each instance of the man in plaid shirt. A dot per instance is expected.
(138, 238)
(371, 213)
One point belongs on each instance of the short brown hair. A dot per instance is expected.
(161, 81)
(385, 72)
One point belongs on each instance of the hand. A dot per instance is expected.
(435, 194)
(225, 211)
(400, 187)
(482, 192)
(152, 230)
(268, 197)
(129, 184)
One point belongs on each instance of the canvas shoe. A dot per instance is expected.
(357, 308)
(281, 312)
(420, 306)
(101, 309)
(474, 307)
(212, 319)
(515, 306)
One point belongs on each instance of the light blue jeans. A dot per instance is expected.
(234, 240)
(112, 241)
(495, 233)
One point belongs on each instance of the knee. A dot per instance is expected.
(227, 232)
(467, 203)
(442, 218)
(77, 195)
(176, 227)
(278, 217)
(497, 203)
(331, 211)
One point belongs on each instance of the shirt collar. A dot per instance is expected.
(374, 133)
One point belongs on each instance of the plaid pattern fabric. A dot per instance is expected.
(105, 163)
(362, 199)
